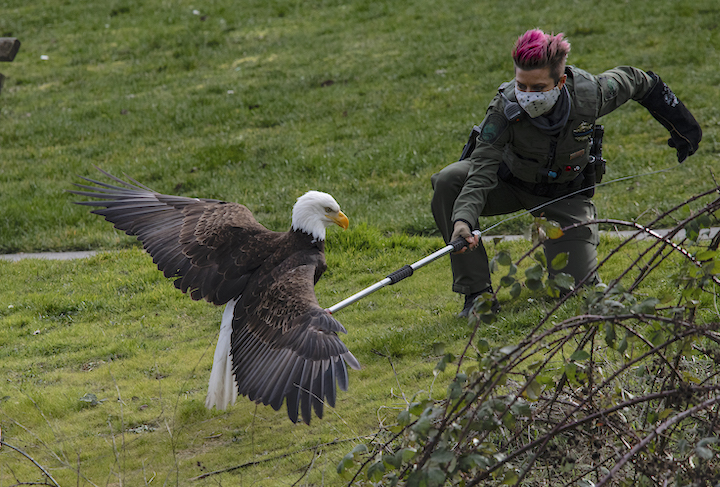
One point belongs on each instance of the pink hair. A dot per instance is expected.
(535, 49)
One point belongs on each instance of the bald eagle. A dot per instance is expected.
(276, 343)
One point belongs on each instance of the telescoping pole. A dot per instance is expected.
(402, 273)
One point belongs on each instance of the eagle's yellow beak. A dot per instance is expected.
(340, 220)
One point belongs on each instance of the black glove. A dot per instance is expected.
(664, 106)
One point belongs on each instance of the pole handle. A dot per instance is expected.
(461, 243)
(400, 274)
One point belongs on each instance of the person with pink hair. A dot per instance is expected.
(538, 147)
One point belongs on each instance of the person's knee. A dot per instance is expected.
(450, 178)
(434, 178)
(442, 181)
(581, 258)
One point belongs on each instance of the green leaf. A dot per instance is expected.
(706, 254)
(359, 449)
(443, 362)
(564, 281)
(510, 478)
(667, 412)
(646, 307)
(534, 284)
(488, 318)
(535, 272)
(493, 266)
(508, 421)
(623, 344)
(503, 258)
(418, 478)
(507, 281)
(435, 477)
(482, 345)
(408, 454)
(347, 462)
(708, 441)
(454, 390)
(704, 221)
(552, 230)
(552, 289)
(682, 446)
(547, 379)
(570, 372)
(375, 471)
(609, 333)
(484, 303)
(652, 416)
(417, 408)
(521, 408)
(442, 455)
(704, 453)
(539, 256)
(515, 290)
(422, 427)
(393, 461)
(580, 355)
(533, 390)
(560, 261)
(404, 417)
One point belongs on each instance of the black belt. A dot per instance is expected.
(547, 190)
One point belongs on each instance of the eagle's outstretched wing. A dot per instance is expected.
(276, 343)
(284, 345)
(210, 246)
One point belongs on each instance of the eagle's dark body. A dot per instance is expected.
(276, 342)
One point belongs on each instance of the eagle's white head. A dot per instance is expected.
(314, 212)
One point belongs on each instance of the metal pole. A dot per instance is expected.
(402, 273)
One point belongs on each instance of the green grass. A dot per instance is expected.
(257, 102)
(113, 327)
(364, 100)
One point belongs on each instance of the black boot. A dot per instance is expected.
(470, 301)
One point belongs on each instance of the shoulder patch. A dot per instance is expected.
(608, 86)
(493, 128)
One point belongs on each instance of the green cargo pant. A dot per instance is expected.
(470, 270)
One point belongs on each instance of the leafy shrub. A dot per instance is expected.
(624, 393)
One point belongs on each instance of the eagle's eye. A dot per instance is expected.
(328, 209)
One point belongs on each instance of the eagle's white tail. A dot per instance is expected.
(222, 389)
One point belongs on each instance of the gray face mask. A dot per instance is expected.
(536, 103)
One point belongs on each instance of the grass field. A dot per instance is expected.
(111, 326)
(106, 367)
(256, 102)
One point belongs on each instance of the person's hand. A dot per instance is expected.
(683, 146)
(462, 230)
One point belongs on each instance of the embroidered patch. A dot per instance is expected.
(609, 87)
(669, 97)
(493, 128)
(583, 131)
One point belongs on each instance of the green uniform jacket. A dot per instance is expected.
(536, 157)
